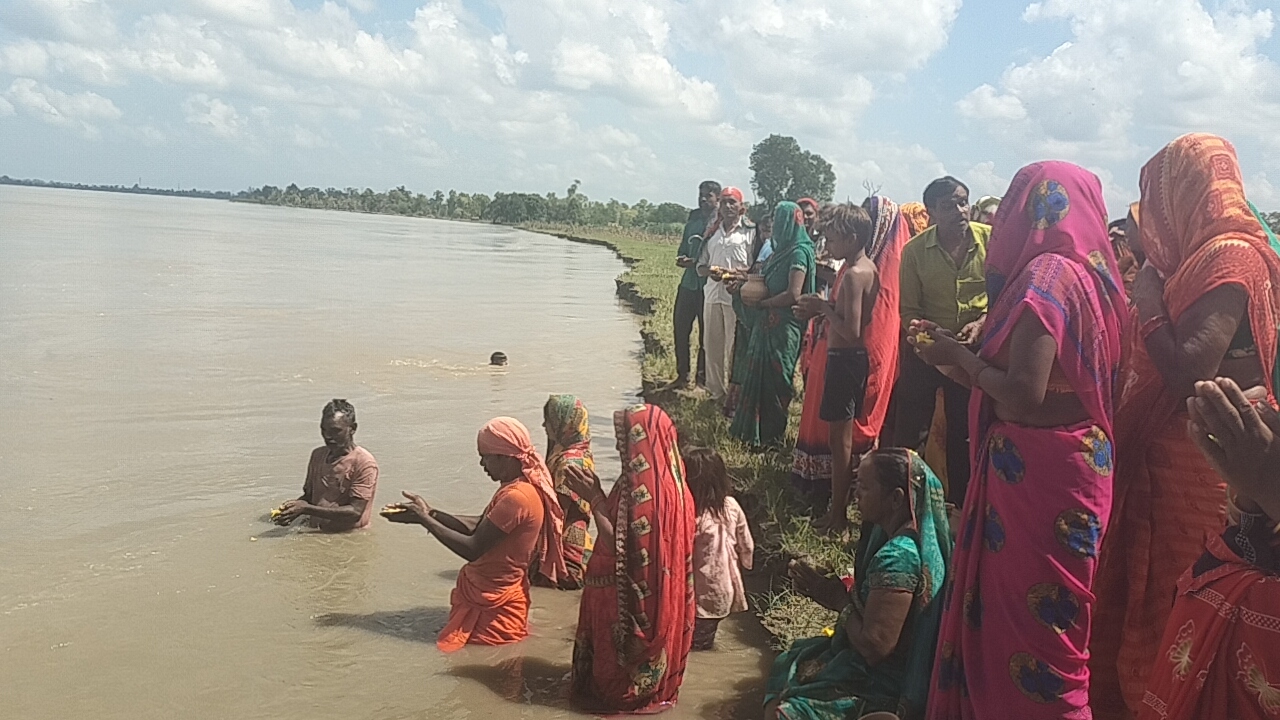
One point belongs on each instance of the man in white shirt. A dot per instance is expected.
(728, 247)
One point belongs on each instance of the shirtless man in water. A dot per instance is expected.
(337, 494)
(848, 231)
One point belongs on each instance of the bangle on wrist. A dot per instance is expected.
(1151, 325)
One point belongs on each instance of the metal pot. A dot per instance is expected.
(754, 289)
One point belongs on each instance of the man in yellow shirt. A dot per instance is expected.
(943, 280)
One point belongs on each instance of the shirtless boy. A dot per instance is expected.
(847, 228)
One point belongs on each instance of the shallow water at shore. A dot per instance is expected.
(164, 362)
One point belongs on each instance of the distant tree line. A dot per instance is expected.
(573, 208)
(134, 189)
(780, 170)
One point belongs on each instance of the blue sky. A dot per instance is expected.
(637, 99)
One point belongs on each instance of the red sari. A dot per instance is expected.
(883, 334)
(1220, 656)
(811, 463)
(635, 623)
(811, 468)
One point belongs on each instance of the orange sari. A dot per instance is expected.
(490, 603)
(1197, 229)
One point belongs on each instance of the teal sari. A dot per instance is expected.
(826, 678)
(768, 365)
(1275, 246)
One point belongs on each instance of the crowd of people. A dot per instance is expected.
(1059, 434)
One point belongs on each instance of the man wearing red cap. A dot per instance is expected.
(728, 248)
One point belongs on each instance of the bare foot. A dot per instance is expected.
(833, 524)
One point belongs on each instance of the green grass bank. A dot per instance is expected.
(781, 531)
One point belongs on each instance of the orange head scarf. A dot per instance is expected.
(1198, 230)
(917, 217)
(509, 437)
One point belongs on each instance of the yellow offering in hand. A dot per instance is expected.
(277, 512)
(392, 510)
(923, 338)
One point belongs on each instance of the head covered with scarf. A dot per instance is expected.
(635, 622)
(718, 221)
(886, 219)
(929, 528)
(788, 228)
(916, 216)
(1200, 232)
(984, 211)
(569, 441)
(1050, 254)
(510, 438)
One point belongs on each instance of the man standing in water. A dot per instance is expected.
(689, 294)
(341, 478)
(524, 520)
(943, 280)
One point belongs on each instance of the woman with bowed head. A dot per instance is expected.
(635, 624)
(1015, 627)
(1206, 304)
(564, 417)
(521, 526)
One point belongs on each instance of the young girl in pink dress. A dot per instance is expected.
(722, 544)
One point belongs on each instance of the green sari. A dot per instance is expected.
(774, 346)
(826, 678)
(1275, 245)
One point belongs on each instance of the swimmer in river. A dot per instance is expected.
(498, 359)
(337, 494)
(523, 523)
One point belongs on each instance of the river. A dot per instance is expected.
(163, 364)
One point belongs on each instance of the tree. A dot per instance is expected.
(513, 208)
(1272, 219)
(668, 212)
(781, 170)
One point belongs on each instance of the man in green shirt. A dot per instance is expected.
(943, 280)
(689, 294)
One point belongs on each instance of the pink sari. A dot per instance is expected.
(1015, 629)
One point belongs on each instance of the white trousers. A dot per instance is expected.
(720, 324)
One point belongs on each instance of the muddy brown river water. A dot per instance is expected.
(163, 363)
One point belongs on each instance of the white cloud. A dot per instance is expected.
(79, 111)
(74, 20)
(983, 179)
(306, 138)
(1133, 66)
(6, 108)
(216, 116)
(814, 64)
(25, 58)
(983, 103)
(1262, 191)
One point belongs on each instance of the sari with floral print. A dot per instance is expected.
(569, 443)
(1015, 629)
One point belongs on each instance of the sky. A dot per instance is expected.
(635, 98)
